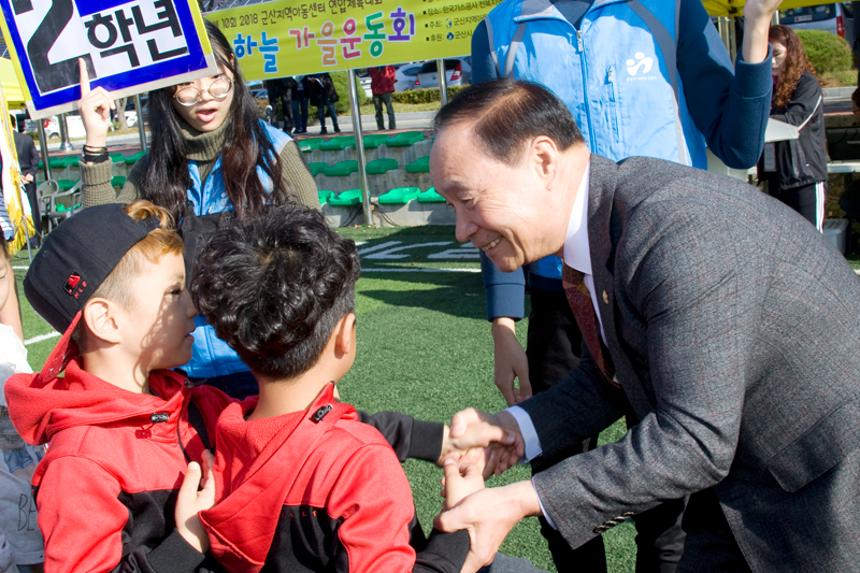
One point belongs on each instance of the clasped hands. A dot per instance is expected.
(479, 445)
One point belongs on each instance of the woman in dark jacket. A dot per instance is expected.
(321, 92)
(796, 170)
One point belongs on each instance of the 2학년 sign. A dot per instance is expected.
(129, 46)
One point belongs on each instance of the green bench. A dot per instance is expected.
(399, 196)
(338, 143)
(380, 166)
(420, 165)
(430, 196)
(404, 139)
(118, 181)
(134, 157)
(66, 184)
(324, 196)
(317, 167)
(341, 168)
(309, 144)
(346, 198)
(374, 140)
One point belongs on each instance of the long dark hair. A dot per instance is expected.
(796, 63)
(246, 146)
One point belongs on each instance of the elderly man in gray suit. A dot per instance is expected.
(719, 315)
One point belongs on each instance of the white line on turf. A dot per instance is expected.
(20, 267)
(41, 338)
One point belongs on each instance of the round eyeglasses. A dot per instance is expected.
(189, 94)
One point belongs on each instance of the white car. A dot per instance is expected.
(73, 121)
(404, 77)
(458, 72)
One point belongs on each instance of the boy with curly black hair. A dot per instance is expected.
(303, 484)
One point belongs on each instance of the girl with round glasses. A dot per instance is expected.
(210, 154)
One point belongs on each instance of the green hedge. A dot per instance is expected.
(423, 95)
(827, 52)
(342, 89)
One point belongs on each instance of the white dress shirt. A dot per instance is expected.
(576, 254)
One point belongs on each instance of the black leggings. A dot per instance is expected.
(807, 200)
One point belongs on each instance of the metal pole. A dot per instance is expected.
(733, 40)
(359, 147)
(65, 144)
(726, 27)
(443, 81)
(141, 130)
(43, 148)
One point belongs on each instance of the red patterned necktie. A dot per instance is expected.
(579, 300)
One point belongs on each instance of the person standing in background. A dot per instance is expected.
(382, 86)
(298, 103)
(279, 99)
(28, 160)
(796, 169)
(321, 92)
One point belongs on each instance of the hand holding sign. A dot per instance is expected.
(95, 106)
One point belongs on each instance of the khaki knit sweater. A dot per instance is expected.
(204, 149)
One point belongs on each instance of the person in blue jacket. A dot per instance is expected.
(641, 77)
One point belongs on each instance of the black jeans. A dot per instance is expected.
(326, 107)
(808, 200)
(378, 100)
(710, 544)
(300, 113)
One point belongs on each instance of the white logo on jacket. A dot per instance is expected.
(639, 63)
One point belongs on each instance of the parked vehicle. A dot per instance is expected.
(458, 71)
(404, 77)
(73, 121)
(364, 81)
(131, 110)
(836, 18)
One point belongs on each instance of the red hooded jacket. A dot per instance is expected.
(316, 490)
(106, 489)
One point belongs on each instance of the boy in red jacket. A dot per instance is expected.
(303, 484)
(118, 488)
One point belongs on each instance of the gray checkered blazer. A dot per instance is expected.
(735, 332)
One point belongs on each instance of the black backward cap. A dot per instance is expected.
(77, 256)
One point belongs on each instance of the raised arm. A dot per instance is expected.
(729, 104)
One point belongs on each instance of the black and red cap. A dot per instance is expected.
(77, 256)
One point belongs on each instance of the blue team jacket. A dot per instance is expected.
(211, 356)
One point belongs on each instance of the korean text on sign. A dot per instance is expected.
(125, 44)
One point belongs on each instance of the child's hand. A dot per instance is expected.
(197, 493)
(500, 439)
(462, 478)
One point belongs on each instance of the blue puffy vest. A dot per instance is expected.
(211, 356)
(617, 74)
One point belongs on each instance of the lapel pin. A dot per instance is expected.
(605, 298)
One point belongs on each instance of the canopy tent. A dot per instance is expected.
(736, 7)
(9, 83)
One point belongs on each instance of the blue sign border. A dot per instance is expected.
(195, 59)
